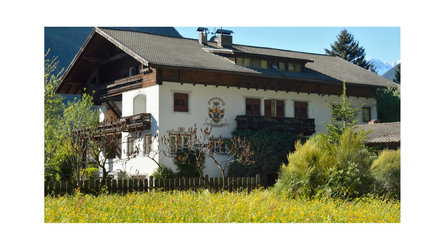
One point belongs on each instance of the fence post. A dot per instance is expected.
(119, 186)
(258, 180)
(145, 185)
(150, 183)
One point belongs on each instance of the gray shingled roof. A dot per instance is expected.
(382, 132)
(188, 53)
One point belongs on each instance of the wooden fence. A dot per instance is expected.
(151, 184)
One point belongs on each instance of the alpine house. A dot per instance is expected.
(163, 85)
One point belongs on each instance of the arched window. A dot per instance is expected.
(139, 104)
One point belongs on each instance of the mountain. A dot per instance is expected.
(64, 42)
(390, 73)
(381, 66)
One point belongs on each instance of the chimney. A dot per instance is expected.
(224, 38)
(202, 35)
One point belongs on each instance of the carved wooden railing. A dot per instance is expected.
(256, 122)
(131, 123)
(117, 86)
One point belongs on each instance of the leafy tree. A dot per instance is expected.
(61, 158)
(343, 116)
(53, 107)
(349, 49)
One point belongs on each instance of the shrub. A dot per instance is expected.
(306, 171)
(270, 149)
(319, 167)
(187, 162)
(163, 172)
(386, 171)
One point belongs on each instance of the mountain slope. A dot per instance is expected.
(390, 74)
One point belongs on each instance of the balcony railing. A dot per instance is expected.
(131, 123)
(117, 86)
(255, 122)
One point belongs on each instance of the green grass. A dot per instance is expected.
(184, 206)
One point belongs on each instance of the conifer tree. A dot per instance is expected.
(349, 49)
(397, 74)
(343, 116)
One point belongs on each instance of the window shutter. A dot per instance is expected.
(280, 108)
(300, 110)
(252, 106)
(181, 102)
(267, 108)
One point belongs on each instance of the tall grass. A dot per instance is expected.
(183, 206)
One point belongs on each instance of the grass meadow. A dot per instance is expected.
(261, 206)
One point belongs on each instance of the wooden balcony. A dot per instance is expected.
(116, 87)
(131, 123)
(255, 122)
(137, 122)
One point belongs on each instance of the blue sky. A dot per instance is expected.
(379, 42)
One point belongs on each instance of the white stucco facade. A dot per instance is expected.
(160, 104)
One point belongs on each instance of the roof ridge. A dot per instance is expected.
(155, 34)
(288, 50)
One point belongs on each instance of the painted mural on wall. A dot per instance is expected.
(216, 111)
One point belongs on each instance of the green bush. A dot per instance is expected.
(319, 167)
(163, 172)
(270, 149)
(306, 171)
(386, 171)
(187, 163)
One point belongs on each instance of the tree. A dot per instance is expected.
(349, 49)
(343, 116)
(62, 160)
(397, 74)
(53, 108)
(388, 104)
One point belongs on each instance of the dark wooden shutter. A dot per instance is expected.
(267, 108)
(252, 106)
(300, 110)
(280, 108)
(181, 102)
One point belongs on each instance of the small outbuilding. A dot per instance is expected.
(382, 135)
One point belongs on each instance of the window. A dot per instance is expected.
(181, 103)
(281, 66)
(274, 108)
(294, 67)
(147, 144)
(300, 110)
(291, 67)
(219, 146)
(260, 63)
(113, 149)
(298, 67)
(179, 141)
(131, 146)
(243, 61)
(366, 113)
(139, 104)
(252, 106)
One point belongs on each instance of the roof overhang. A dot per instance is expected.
(81, 60)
